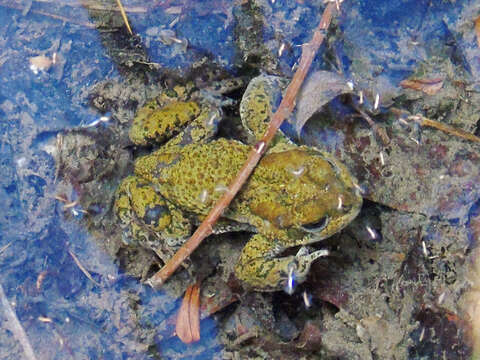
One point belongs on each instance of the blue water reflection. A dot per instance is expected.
(63, 312)
(67, 315)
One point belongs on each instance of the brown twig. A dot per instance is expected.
(423, 121)
(447, 129)
(18, 7)
(124, 17)
(381, 133)
(82, 268)
(285, 108)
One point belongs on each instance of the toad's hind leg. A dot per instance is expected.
(262, 96)
(153, 125)
(177, 123)
(259, 268)
(260, 100)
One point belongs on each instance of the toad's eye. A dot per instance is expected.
(316, 226)
(153, 216)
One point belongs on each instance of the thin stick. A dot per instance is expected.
(447, 129)
(15, 326)
(124, 17)
(285, 108)
(53, 16)
(5, 247)
(423, 121)
(382, 134)
(82, 268)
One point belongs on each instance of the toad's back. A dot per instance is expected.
(195, 176)
(288, 188)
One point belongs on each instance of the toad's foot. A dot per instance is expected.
(300, 266)
(260, 269)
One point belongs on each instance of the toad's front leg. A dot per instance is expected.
(259, 267)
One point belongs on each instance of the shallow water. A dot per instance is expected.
(431, 212)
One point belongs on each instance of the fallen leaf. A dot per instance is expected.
(477, 30)
(428, 86)
(40, 63)
(319, 88)
(188, 320)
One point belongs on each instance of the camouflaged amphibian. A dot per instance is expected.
(296, 196)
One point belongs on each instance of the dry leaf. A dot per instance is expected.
(40, 63)
(428, 86)
(477, 30)
(319, 88)
(188, 320)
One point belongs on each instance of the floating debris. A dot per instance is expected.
(307, 299)
(298, 172)
(102, 119)
(290, 286)
(382, 159)
(221, 188)
(40, 278)
(441, 298)
(41, 63)
(422, 335)
(373, 234)
(2, 249)
(377, 102)
(45, 319)
(340, 203)
(259, 147)
(428, 86)
(424, 249)
(82, 268)
(203, 196)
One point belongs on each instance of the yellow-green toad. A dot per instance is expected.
(296, 196)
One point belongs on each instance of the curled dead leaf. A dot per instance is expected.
(188, 319)
(428, 86)
(319, 88)
(477, 30)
